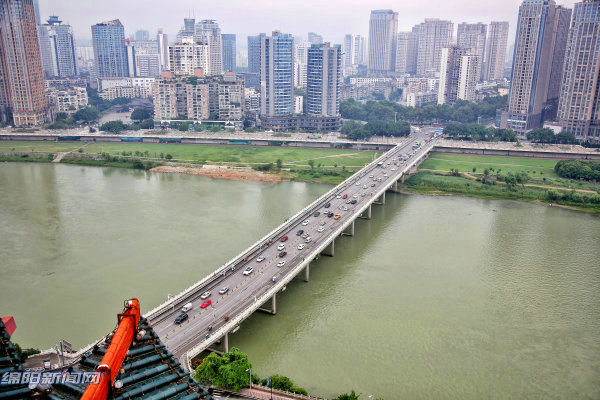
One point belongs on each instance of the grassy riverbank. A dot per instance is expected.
(524, 179)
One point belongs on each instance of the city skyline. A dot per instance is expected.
(245, 19)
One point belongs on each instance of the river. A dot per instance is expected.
(435, 297)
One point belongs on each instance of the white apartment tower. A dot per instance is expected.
(432, 36)
(383, 34)
(472, 36)
(459, 74)
(406, 53)
(495, 53)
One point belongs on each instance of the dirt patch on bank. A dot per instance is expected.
(236, 174)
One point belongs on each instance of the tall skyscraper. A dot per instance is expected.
(406, 53)
(300, 63)
(22, 90)
(277, 74)
(383, 34)
(36, 7)
(229, 52)
(186, 57)
(432, 36)
(110, 53)
(323, 80)
(57, 47)
(142, 34)
(495, 53)
(143, 57)
(459, 74)
(537, 66)
(315, 38)
(253, 77)
(163, 49)
(579, 105)
(354, 50)
(209, 32)
(472, 36)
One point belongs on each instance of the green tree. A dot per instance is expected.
(87, 114)
(113, 126)
(279, 163)
(312, 164)
(140, 114)
(147, 124)
(228, 371)
(348, 396)
(169, 157)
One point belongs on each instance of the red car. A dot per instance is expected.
(206, 303)
(283, 239)
(345, 196)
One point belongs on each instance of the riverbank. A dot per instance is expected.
(432, 183)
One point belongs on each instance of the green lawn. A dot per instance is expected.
(534, 167)
(45, 147)
(291, 157)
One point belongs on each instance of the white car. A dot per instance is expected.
(306, 222)
(393, 169)
(321, 229)
(308, 239)
(345, 208)
(281, 247)
(339, 196)
(357, 183)
(281, 263)
(365, 186)
(300, 246)
(248, 271)
(355, 196)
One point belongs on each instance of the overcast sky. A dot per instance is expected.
(330, 18)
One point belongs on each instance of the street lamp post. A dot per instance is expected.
(250, 374)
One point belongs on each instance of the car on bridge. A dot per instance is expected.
(306, 222)
(327, 205)
(308, 239)
(283, 254)
(321, 229)
(337, 216)
(316, 214)
(248, 271)
(300, 246)
(373, 185)
(300, 232)
(345, 208)
(260, 259)
(224, 290)
(281, 264)
(330, 214)
(322, 222)
(339, 196)
(182, 317)
(345, 196)
(353, 201)
(283, 239)
(281, 247)
(206, 303)
(205, 295)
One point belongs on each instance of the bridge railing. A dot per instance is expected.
(155, 312)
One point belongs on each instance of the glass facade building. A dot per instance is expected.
(229, 51)
(277, 74)
(110, 52)
(324, 74)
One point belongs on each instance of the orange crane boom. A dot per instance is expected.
(116, 352)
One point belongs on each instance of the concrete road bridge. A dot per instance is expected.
(247, 293)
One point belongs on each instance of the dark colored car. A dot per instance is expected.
(300, 232)
(353, 201)
(283, 254)
(330, 215)
(316, 214)
(182, 317)
(327, 205)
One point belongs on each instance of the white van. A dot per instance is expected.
(187, 307)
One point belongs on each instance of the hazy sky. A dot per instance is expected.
(330, 18)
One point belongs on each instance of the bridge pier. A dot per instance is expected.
(349, 231)
(273, 309)
(396, 186)
(402, 178)
(226, 343)
(368, 213)
(306, 272)
(381, 199)
(329, 250)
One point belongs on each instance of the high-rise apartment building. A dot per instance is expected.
(537, 66)
(110, 53)
(22, 90)
(229, 52)
(315, 38)
(432, 36)
(459, 74)
(162, 40)
(209, 32)
(142, 34)
(406, 53)
(383, 34)
(354, 51)
(277, 74)
(579, 104)
(495, 53)
(301, 63)
(472, 36)
(57, 48)
(324, 76)
(253, 76)
(185, 58)
(143, 57)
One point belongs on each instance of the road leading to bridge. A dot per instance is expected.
(246, 293)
